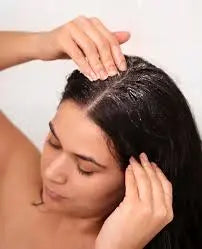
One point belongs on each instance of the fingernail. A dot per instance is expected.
(144, 157)
(103, 75)
(123, 66)
(93, 76)
(112, 71)
(131, 160)
(88, 76)
(129, 167)
(154, 165)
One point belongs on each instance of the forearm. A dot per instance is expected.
(18, 47)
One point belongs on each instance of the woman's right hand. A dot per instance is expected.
(145, 210)
(86, 41)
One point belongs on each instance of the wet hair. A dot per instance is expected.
(142, 110)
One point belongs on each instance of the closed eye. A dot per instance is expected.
(81, 171)
(55, 146)
(83, 157)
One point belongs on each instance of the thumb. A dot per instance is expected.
(122, 36)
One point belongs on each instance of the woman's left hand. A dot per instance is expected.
(145, 210)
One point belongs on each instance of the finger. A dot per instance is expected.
(90, 41)
(158, 198)
(117, 55)
(167, 187)
(102, 44)
(122, 36)
(143, 183)
(168, 192)
(131, 191)
(78, 57)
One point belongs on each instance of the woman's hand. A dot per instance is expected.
(86, 41)
(144, 211)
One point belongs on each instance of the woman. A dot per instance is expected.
(84, 190)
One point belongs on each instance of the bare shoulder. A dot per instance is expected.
(19, 182)
(15, 147)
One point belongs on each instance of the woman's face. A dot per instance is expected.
(89, 188)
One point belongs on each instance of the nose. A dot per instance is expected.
(55, 172)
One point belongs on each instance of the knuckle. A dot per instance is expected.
(142, 175)
(109, 63)
(90, 47)
(161, 214)
(70, 24)
(169, 185)
(81, 61)
(81, 17)
(77, 55)
(104, 45)
(113, 41)
(94, 61)
(97, 65)
(170, 216)
(95, 19)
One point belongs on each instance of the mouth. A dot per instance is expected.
(53, 195)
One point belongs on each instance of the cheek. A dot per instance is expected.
(47, 157)
(105, 188)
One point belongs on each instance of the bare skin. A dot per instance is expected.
(20, 165)
(24, 225)
(76, 220)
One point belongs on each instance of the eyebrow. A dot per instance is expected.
(83, 157)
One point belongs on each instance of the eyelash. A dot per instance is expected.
(57, 147)
(82, 172)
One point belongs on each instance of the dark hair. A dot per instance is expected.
(142, 110)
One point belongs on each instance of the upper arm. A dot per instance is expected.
(14, 145)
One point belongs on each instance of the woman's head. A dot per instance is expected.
(139, 110)
(94, 192)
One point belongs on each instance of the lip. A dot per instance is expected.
(53, 195)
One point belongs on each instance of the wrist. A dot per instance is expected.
(46, 46)
(36, 45)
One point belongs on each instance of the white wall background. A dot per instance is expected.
(168, 33)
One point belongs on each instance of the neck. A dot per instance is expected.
(87, 226)
(68, 224)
